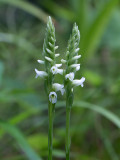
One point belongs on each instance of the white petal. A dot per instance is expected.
(41, 74)
(78, 68)
(76, 57)
(40, 61)
(48, 59)
(52, 39)
(54, 69)
(77, 49)
(49, 51)
(75, 65)
(50, 44)
(70, 76)
(56, 47)
(53, 97)
(78, 82)
(63, 61)
(59, 87)
(60, 71)
(58, 65)
(57, 55)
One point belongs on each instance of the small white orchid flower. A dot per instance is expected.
(60, 71)
(41, 74)
(57, 55)
(55, 70)
(78, 82)
(70, 76)
(58, 65)
(40, 61)
(63, 61)
(48, 59)
(49, 51)
(75, 65)
(78, 68)
(53, 97)
(56, 47)
(77, 49)
(76, 57)
(58, 87)
(50, 44)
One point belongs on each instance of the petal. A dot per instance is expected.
(41, 74)
(40, 61)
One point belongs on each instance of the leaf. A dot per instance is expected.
(107, 114)
(26, 6)
(20, 139)
(93, 36)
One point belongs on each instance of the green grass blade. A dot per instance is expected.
(20, 139)
(26, 6)
(107, 114)
(92, 38)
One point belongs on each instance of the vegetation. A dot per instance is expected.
(95, 118)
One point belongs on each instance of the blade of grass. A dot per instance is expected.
(20, 139)
(104, 112)
(26, 6)
(92, 38)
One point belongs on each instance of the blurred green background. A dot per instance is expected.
(95, 120)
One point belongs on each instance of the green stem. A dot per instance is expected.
(68, 112)
(50, 132)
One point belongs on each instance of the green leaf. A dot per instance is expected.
(20, 139)
(93, 36)
(26, 6)
(104, 112)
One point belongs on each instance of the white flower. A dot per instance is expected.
(41, 74)
(63, 61)
(40, 61)
(76, 50)
(48, 59)
(78, 68)
(78, 82)
(70, 76)
(58, 87)
(57, 55)
(76, 57)
(55, 70)
(53, 97)
(56, 47)
(60, 71)
(75, 65)
(58, 65)
(49, 51)
(50, 44)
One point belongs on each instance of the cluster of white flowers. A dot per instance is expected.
(49, 49)
(49, 62)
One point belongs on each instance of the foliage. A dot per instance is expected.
(95, 130)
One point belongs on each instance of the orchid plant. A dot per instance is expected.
(51, 69)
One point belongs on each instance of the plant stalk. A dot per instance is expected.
(51, 110)
(68, 141)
